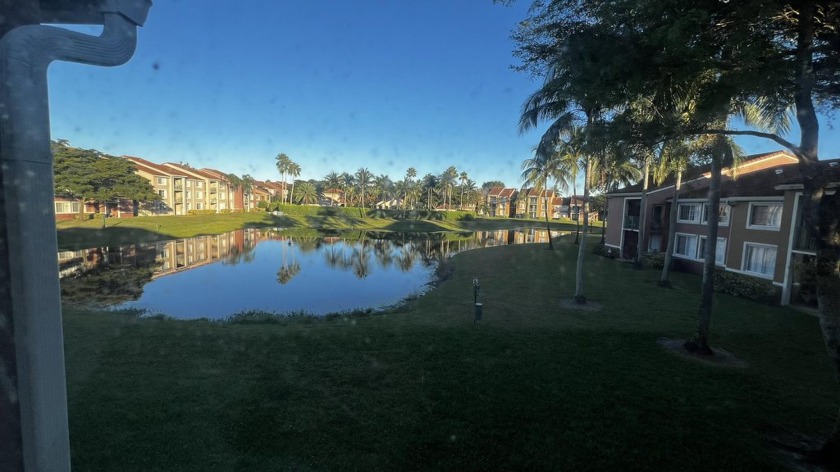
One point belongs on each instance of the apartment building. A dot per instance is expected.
(533, 203)
(169, 183)
(500, 201)
(760, 217)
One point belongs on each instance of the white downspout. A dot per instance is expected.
(26, 160)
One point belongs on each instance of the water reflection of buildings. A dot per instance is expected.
(169, 256)
(117, 274)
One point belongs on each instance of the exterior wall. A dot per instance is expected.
(615, 211)
(740, 234)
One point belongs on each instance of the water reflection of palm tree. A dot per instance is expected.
(359, 259)
(407, 256)
(288, 270)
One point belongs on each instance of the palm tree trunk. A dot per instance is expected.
(643, 211)
(547, 225)
(577, 217)
(700, 342)
(580, 297)
(665, 281)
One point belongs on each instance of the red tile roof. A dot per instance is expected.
(190, 170)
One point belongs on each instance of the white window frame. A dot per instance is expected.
(721, 222)
(754, 273)
(720, 256)
(692, 251)
(162, 193)
(698, 213)
(765, 227)
(163, 180)
(67, 207)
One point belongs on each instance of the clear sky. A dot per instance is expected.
(335, 84)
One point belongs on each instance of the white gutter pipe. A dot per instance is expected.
(27, 172)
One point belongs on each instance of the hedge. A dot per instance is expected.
(745, 286)
(355, 212)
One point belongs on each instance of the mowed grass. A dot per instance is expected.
(532, 386)
(75, 234)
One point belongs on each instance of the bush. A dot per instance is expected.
(262, 204)
(225, 210)
(201, 212)
(653, 260)
(744, 286)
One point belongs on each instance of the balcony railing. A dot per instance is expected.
(179, 187)
(631, 222)
(213, 190)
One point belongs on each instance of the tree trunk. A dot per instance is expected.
(104, 213)
(580, 297)
(643, 211)
(577, 219)
(700, 342)
(547, 225)
(665, 280)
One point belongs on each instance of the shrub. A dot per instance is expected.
(653, 260)
(744, 286)
(201, 212)
(262, 204)
(225, 210)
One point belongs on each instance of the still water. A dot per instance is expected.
(263, 269)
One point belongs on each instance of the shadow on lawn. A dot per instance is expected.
(82, 238)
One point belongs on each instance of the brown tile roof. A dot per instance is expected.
(761, 183)
(697, 172)
(190, 170)
(153, 168)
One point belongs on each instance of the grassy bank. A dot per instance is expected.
(533, 386)
(89, 233)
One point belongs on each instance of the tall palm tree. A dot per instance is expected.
(294, 172)
(612, 171)
(410, 174)
(332, 180)
(538, 171)
(282, 162)
(445, 183)
(463, 179)
(348, 185)
(430, 182)
(363, 180)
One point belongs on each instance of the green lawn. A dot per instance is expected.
(530, 387)
(84, 234)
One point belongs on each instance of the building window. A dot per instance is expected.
(189, 183)
(723, 214)
(720, 250)
(67, 207)
(689, 213)
(759, 259)
(162, 180)
(199, 194)
(686, 246)
(765, 216)
(199, 206)
(199, 184)
(162, 193)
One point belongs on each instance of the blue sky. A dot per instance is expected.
(335, 84)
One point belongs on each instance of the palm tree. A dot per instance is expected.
(463, 179)
(332, 180)
(283, 161)
(294, 171)
(363, 180)
(410, 174)
(538, 171)
(613, 171)
(430, 182)
(447, 180)
(348, 184)
(306, 193)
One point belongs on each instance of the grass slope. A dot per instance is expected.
(84, 234)
(531, 387)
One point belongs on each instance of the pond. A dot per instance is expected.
(266, 270)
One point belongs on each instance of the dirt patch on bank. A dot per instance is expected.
(720, 358)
